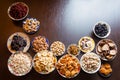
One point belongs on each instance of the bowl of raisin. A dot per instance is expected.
(102, 29)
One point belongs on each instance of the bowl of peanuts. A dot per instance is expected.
(58, 48)
(40, 43)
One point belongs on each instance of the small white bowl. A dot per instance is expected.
(103, 57)
(19, 18)
(70, 52)
(56, 54)
(88, 54)
(108, 27)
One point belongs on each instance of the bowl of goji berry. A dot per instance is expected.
(18, 11)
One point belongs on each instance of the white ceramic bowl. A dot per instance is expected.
(45, 52)
(87, 60)
(15, 59)
(108, 27)
(70, 52)
(24, 36)
(90, 46)
(66, 59)
(62, 52)
(103, 57)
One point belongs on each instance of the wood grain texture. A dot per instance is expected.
(64, 20)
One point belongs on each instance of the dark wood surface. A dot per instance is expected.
(64, 20)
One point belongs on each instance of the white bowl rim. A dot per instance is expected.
(108, 27)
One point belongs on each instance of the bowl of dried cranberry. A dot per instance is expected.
(102, 29)
(18, 11)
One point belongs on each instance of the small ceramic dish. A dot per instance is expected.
(86, 44)
(105, 70)
(44, 62)
(20, 63)
(106, 49)
(68, 66)
(40, 43)
(90, 63)
(31, 25)
(18, 11)
(102, 29)
(58, 48)
(22, 35)
(73, 49)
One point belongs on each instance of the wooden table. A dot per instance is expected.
(64, 20)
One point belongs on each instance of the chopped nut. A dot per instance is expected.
(113, 52)
(105, 47)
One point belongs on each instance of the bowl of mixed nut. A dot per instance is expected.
(68, 66)
(90, 63)
(106, 49)
(40, 43)
(31, 25)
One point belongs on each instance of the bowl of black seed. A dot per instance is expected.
(102, 29)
